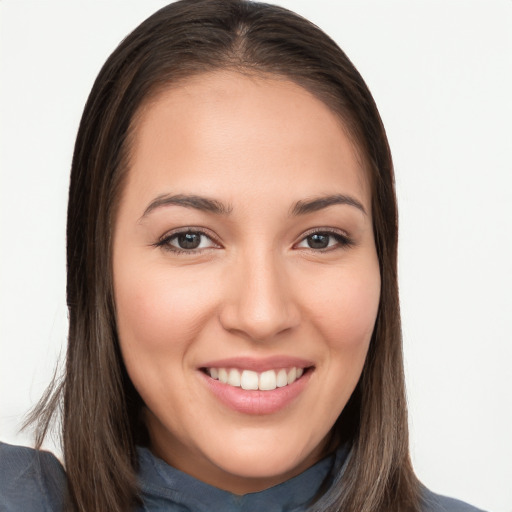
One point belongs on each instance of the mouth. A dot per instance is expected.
(257, 387)
(250, 380)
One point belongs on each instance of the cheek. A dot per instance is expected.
(360, 305)
(346, 311)
(346, 323)
(159, 310)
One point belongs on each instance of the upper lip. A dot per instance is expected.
(259, 364)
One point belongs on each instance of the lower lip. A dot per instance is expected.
(255, 401)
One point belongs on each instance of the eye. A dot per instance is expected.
(186, 241)
(321, 240)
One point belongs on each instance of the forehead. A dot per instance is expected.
(226, 128)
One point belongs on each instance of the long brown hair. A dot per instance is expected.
(101, 410)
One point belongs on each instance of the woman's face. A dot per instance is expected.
(245, 275)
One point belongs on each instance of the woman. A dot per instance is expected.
(232, 288)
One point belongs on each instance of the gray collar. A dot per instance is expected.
(166, 488)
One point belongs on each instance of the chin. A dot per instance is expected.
(268, 460)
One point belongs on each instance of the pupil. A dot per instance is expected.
(189, 240)
(318, 241)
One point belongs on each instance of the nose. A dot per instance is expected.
(260, 303)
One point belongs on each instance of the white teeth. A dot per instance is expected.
(250, 380)
(282, 379)
(234, 378)
(223, 375)
(292, 375)
(268, 380)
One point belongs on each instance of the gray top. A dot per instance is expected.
(35, 481)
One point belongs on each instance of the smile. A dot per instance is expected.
(257, 387)
(252, 380)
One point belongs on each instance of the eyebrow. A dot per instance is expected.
(188, 201)
(302, 207)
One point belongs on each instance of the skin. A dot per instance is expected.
(254, 288)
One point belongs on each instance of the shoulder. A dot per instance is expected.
(30, 480)
(435, 503)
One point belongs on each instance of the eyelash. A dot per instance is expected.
(343, 241)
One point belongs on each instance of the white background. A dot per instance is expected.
(441, 73)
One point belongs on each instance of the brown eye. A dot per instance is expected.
(321, 240)
(187, 240)
(318, 241)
